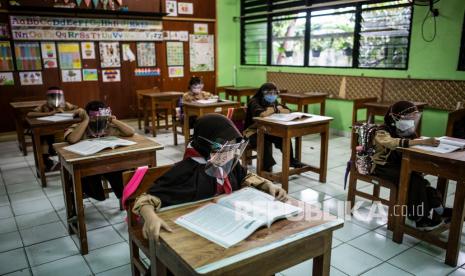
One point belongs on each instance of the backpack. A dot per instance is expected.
(365, 148)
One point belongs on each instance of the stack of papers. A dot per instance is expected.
(446, 145)
(58, 117)
(92, 146)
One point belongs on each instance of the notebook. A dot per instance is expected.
(92, 146)
(57, 117)
(446, 145)
(288, 117)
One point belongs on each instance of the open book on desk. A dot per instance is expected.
(57, 117)
(446, 145)
(236, 216)
(283, 117)
(208, 101)
(92, 146)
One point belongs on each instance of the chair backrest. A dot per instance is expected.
(238, 117)
(453, 123)
(150, 177)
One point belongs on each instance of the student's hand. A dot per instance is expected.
(278, 192)
(81, 113)
(60, 110)
(281, 109)
(51, 113)
(432, 142)
(111, 118)
(152, 226)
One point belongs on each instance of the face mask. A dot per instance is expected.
(196, 89)
(404, 125)
(270, 98)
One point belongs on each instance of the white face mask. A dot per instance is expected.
(404, 125)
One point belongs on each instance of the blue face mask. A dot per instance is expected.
(270, 98)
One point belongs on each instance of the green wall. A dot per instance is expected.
(434, 60)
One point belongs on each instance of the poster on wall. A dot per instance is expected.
(174, 53)
(7, 79)
(147, 72)
(201, 28)
(128, 55)
(49, 54)
(146, 56)
(185, 8)
(171, 7)
(71, 75)
(28, 56)
(69, 55)
(176, 71)
(202, 53)
(30, 78)
(88, 50)
(6, 58)
(109, 54)
(111, 75)
(90, 74)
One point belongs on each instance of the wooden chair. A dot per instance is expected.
(376, 181)
(238, 117)
(136, 239)
(453, 118)
(162, 114)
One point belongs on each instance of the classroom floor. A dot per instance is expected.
(34, 239)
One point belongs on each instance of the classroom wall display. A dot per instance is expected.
(28, 56)
(88, 50)
(146, 56)
(176, 35)
(171, 7)
(111, 75)
(176, 71)
(128, 55)
(4, 33)
(185, 8)
(202, 53)
(31, 78)
(49, 54)
(6, 58)
(70, 55)
(84, 29)
(174, 53)
(90, 74)
(146, 72)
(7, 79)
(200, 28)
(109, 54)
(73, 75)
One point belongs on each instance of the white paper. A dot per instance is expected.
(185, 8)
(171, 8)
(88, 50)
(111, 75)
(445, 146)
(59, 117)
(202, 53)
(128, 55)
(31, 78)
(207, 101)
(109, 54)
(282, 117)
(200, 28)
(71, 75)
(176, 71)
(92, 146)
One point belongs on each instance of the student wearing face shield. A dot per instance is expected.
(265, 103)
(210, 167)
(399, 130)
(195, 93)
(55, 104)
(98, 121)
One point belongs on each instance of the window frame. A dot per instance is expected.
(268, 18)
(461, 62)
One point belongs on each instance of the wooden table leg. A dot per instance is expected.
(186, 126)
(146, 115)
(68, 195)
(173, 122)
(154, 115)
(399, 219)
(20, 133)
(39, 157)
(298, 148)
(322, 263)
(81, 224)
(286, 161)
(260, 150)
(305, 108)
(323, 107)
(324, 136)
(455, 231)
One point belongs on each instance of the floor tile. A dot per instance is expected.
(4, 201)
(12, 260)
(33, 206)
(310, 196)
(34, 219)
(330, 189)
(7, 225)
(94, 219)
(44, 232)
(304, 268)
(351, 260)
(124, 270)
(72, 266)
(386, 269)
(26, 196)
(122, 229)
(22, 272)
(108, 257)
(458, 272)
(5, 212)
(51, 250)
(349, 231)
(23, 187)
(419, 263)
(9, 241)
(101, 237)
(378, 245)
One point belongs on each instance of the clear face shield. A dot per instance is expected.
(224, 157)
(406, 122)
(197, 88)
(55, 98)
(98, 121)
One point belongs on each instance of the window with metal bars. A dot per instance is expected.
(366, 34)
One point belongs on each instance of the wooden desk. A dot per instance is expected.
(266, 252)
(288, 130)
(302, 100)
(75, 166)
(170, 99)
(20, 110)
(41, 128)
(445, 166)
(380, 109)
(199, 109)
(239, 91)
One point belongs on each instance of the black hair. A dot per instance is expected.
(94, 106)
(398, 108)
(54, 88)
(195, 81)
(259, 96)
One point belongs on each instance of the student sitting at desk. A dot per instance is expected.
(210, 167)
(55, 104)
(97, 121)
(195, 93)
(263, 104)
(399, 130)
